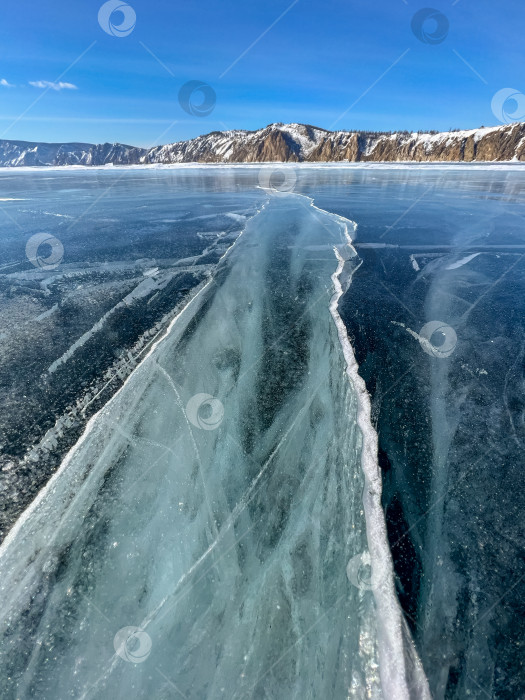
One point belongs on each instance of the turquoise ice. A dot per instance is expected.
(195, 542)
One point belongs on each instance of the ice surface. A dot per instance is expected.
(224, 535)
(448, 408)
(230, 536)
(73, 332)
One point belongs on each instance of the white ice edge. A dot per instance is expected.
(391, 626)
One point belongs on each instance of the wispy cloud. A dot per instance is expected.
(4, 83)
(48, 85)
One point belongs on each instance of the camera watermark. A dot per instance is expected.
(278, 179)
(430, 26)
(204, 411)
(438, 339)
(197, 98)
(359, 571)
(508, 105)
(111, 23)
(45, 251)
(132, 644)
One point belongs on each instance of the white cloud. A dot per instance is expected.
(46, 84)
(4, 83)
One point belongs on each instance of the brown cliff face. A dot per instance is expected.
(287, 143)
(274, 147)
(298, 143)
(336, 147)
(501, 144)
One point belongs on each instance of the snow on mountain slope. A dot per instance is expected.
(25, 153)
(285, 143)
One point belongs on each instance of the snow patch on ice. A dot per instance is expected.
(463, 261)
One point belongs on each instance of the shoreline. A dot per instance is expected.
(318, 165)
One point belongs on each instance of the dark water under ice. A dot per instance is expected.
(450, 418)
(435, 316)
(130, 247)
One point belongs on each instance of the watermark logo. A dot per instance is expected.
(204, 411)
(132, 644)
(278, 179)
(197, 98)
(438, 339)
(359, 571)
(45, 251)
(430, 26)
(111, 23)
(508, 105)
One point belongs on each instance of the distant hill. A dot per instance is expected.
(284, 143)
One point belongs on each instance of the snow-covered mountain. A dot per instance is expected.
(24, 153)
(285, 143)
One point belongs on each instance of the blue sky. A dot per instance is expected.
(316, 62)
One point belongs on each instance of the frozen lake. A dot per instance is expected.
(209, 534)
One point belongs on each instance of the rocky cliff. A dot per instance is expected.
(285, 143)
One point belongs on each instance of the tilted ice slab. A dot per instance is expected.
(196, 540)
